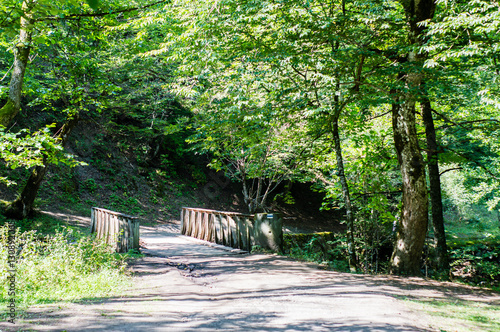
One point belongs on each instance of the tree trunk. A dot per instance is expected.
(247, 196)
(345, 192)
(412, 226)
(435, 188)
(21, 57)
(23, 205)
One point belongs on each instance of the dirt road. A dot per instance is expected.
(186, 285)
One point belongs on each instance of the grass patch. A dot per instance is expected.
(461, 316)
(64, 266)
(44, 224)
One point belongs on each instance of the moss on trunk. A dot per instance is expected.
(7, 113)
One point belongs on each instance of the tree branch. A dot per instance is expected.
(461, 124)
(444, 117)
(6, 17)
(473, 161)
(6, 73)
(378, 116)
(378, 193)
(100, 14)
(450, 169)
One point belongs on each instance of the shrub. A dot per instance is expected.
(65, 266)
(323, 247)
(477, 263)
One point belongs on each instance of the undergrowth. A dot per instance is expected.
(325, 248)
(473, 262)
(476, 263)
(65, 266)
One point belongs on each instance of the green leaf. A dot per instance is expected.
(93, 3)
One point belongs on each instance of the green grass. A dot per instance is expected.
(460, 315)
(471, 223)
(472, 230)
(43, 223)
(66, 266)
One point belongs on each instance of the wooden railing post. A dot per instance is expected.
(183, 222)
(217, 228)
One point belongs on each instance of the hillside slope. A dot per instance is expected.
(116, 176)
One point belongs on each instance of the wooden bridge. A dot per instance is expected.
(233, 229)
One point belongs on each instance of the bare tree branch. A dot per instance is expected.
(449, 170)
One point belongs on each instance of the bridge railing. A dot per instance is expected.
(118, 229)
(232, 229)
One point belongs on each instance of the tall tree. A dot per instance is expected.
(435, 187)
(412, 227)
(22, 50)
(345, 190)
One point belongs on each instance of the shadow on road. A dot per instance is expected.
(186, 285)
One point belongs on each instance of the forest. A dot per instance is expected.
(388, 109)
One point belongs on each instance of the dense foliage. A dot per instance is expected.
(381, 106)
(64, 266)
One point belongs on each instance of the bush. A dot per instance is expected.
(323, 247)
(476, 263)
(65, 266)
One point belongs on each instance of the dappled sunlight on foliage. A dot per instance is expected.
(65, 266)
